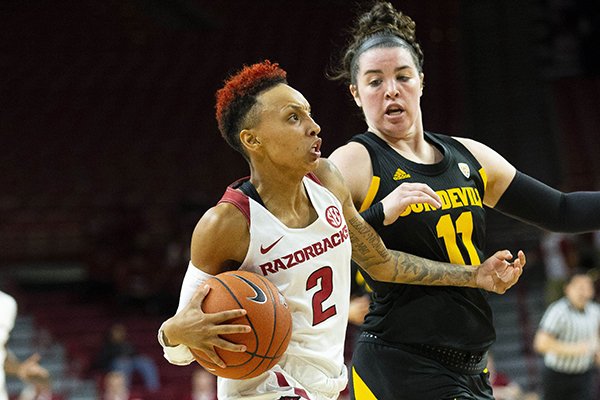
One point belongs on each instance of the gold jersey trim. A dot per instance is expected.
(483, 177)
(373, 188)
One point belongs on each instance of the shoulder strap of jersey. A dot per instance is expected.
(314, 178)
(368, 140)
(456, 144)
(249, 190)
(373, 146)
(239, 194)
(462, 149)
(238, 199)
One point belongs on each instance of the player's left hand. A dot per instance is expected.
(497, 274)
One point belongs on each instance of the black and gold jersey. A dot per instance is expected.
(414, 314)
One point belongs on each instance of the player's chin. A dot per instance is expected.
(312, 163)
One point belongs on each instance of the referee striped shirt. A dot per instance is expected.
(568, 324)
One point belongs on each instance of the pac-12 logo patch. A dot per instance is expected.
(333, 216)
(464, 168)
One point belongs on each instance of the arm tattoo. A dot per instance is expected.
(369, 251)
(367, 241)
(419, 270)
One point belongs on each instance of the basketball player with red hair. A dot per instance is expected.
(294, 206)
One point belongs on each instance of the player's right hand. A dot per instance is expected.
(497, 274)
(395, 203)
(198, 330)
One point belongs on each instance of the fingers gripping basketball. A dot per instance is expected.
(267, 315)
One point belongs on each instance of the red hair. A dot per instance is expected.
(238, 95)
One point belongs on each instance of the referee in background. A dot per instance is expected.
(568, 337)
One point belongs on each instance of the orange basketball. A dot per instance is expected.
(267, 314)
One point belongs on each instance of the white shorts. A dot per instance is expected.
(284, 380)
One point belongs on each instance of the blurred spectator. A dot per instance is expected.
(118, 354)
(568, 339)
(38, 390)
(116, 388)
(29, 370)
(204, 386)
(559, 256)
(504, 388)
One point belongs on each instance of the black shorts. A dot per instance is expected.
(384, 372)
(559, 385)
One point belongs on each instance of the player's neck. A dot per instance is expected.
(287, 201)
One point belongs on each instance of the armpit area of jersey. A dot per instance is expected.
(374, 215)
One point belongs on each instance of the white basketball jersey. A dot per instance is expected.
(311, 268)
(8, 314)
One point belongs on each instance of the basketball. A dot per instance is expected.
(267, 315)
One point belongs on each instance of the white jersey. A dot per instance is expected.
(311, 268)
(8, 314)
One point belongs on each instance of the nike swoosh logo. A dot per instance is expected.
(265, 250)
(259, 295)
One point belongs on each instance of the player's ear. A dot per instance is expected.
(422, 76)
(249, 139)
(354, 92)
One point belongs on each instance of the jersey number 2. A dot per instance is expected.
(449, 231)
(324, 276)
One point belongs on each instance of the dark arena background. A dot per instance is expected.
(110, 150)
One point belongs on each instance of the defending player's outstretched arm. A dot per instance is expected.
(496, 274)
